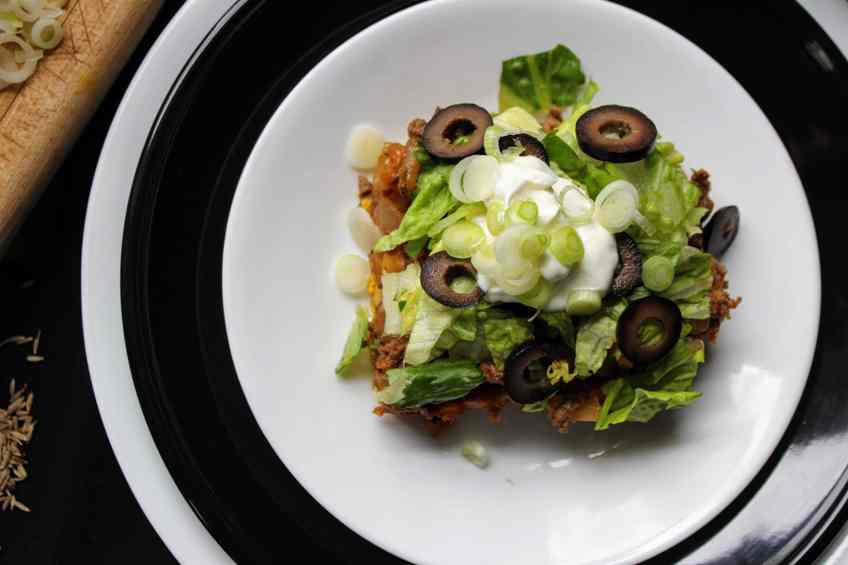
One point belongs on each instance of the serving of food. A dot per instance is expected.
(554, 255)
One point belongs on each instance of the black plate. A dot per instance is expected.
(171, 277)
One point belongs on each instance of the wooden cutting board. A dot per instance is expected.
(41, 119)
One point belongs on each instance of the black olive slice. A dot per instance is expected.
(628, 272)
(439, 271)
(721, 230)
(617, 134)
(525, 371)
(531, 145)
(658, 310)
(456, 131)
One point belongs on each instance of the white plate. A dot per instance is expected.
(106, 351)
(619, 496)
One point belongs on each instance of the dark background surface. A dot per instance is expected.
(82, 508)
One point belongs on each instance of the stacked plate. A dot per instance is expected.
(212, 325)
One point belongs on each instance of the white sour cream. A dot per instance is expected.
(529, 178)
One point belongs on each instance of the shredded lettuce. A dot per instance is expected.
(439, 381)
(400, 299)
(595, 336)
(693, 279)
(663, 385)
(561, 325)
(355, 339)
(536, 82)
(502, 333)
(667, 199)
(464, 211)
(593, 176)
(432, 201)
(431, 320)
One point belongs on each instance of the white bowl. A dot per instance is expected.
(585, 497)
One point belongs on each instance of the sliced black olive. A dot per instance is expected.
(525, 371)
(456, 131)
(531, 145)
(721, 230)
(617, 134)
(628, 272)
(649, 310)
(439, 271)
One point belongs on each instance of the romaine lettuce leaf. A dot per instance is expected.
(503, 333)
(355, 339)
(536, 82)
(595, 336)
(439, 381)
(562, 326)
(400, 299)
(593, 176)
(431, 320)
(693, 277)
(432, 201)
(663, 385)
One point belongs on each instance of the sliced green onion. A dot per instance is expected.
(566, 245)
(560, 372)
(534, 244)
(583, 302)
(484, 260)
(352, 274)
(475, 453)
(508, 249)
(519, 281)
(473, 179)
(520, 119)
(462, 239)
(46, 33)
(522, 211)
(616, 206)
(538, 296)
(495, 220)
(464, 211)
(576, 206)
(658, 273)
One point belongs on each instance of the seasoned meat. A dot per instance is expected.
(387, 355)
(488, 397)
(365, 188)
(389, 203)
(583, 405)
(721, 303)
(701, 179)
(410, 167)
(553, 119)
(492, 373)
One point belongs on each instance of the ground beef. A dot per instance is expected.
(389, 202)
(492, 373)
(582, 405)
(410, 167)
(388, 354)
(365, 188)
(488, 397)
(721, 304)
(553, 119)
(701, 179)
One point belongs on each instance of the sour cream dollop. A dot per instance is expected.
(559, 201)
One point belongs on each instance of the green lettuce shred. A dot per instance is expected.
(593, 176)
(502, 333)
(595, 336)
(663, 385)
(439, 381)
(355, 339)
(432, 201)
(562, 326)
(431, 320)
(536, 82)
